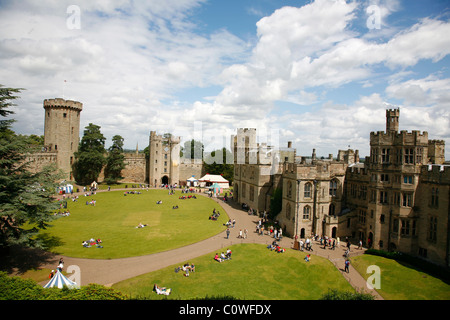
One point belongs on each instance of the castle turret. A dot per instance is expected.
(392, 116)
(62, 131)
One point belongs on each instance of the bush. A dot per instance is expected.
(346, 295)
(16, 288)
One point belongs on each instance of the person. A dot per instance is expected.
(360, 244)
(307, 257)
(228, 254)
(228, 233)
(240, 234)
(51, 274)
(347, 265)
(216, 257)
(162, 290)
(140, 225)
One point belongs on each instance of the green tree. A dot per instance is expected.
(26, 198)
(115, 161)
(192, 149)
(276, 203)
(220, 162)
(90, 158)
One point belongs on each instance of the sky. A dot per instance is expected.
(318, 73)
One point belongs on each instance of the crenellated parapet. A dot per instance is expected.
(62, 103)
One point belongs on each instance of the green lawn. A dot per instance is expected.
(402, 282)
(253, 273)
(114, 218)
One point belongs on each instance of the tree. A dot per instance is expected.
(192, 149)
(89, 159)
(26, 198)
(216, 163)
(115, 161)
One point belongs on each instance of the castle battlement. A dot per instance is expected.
(61, 103)
(438, 173)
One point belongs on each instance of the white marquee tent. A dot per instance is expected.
(59, 281)
(210, 179)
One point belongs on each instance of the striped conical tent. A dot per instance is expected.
(59, 281)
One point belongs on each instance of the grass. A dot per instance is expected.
(253, 273)
(399, 281)
(114, 219)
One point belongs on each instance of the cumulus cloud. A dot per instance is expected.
(129, 60)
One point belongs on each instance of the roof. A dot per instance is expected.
(213, 178)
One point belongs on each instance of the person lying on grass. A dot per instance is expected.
(162, 290)
(140, 225)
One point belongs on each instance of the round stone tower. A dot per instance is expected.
(62, 131)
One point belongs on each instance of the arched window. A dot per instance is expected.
(288, 211)
(307, 190)
(332, 210)
(306, 212)
(333, 187)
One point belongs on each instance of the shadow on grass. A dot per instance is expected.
(18, 260)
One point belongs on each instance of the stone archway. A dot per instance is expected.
(165, 180)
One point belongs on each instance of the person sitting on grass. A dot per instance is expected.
(162, 290)
(216, 257)
(307, 257)
(159, 202)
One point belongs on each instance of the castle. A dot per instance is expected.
(62, 137)
(396, 199)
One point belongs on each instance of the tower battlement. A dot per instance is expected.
(61, 103)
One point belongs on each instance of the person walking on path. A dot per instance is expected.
(347, 265)
(228, 233)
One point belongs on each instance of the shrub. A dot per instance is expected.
(16, 288)
(346, 295)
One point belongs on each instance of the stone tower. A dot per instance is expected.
(62, 131)
(392, 117)
(164, 160)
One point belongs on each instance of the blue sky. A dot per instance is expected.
(313, 71)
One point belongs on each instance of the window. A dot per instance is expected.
(395, 226)
(374, 155)
(432, 229)
(404, 231)
(384, 177)
(306, 212)
(64, 115)
(288, 211)
(353, 190)
(419, 153)
(407, 200)
(363, 192)
(383, 197)
(252, 193)
(373, 195)
(333, 188)
(409, 155)
(381, 218)
(385, 155)
(332, 210)
(289, 189)
(396, 198)
(307, 191)
(362, 216)
(434, 197)
(408, 179)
